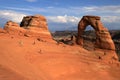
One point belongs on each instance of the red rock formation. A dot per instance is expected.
(31, 26)
(11, 23)
(2, 31)
(34, 21)
(103, 38)
(13, 28)
(37, 26)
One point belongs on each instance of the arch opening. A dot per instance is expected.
(89, 38)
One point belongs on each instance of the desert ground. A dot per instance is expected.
(28, 58)
(30, 53)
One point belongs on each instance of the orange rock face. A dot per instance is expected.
(10, 23)
(13, 28)
(31, 26)
(2, 31)
(34, 21)
(103, 38)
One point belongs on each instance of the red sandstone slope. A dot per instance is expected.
(8, 74)
(31, 59)
(29, 53)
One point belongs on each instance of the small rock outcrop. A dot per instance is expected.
(103, 38)
(2, 31)
(11, 23)
(13, 28)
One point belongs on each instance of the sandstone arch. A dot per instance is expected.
(103, 38)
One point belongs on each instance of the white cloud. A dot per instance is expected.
(62, 22)
(11, 15)
(71, 10)
(31, 0)
(76, 11)
(103, 9)
(108, 14)
(57, 19)
(111, 19)
(63, 19)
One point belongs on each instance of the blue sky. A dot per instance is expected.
(62, 14)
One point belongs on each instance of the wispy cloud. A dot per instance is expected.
(76, 11)
(63, 19)
(70, 16)
(27, 9)
(103, 9)
(6, 15)
(111, 19)
(31, 0)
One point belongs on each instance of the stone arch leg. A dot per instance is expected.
(81, 27)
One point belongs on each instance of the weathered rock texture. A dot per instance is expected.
(13, 28)
(103, 38)
(31, 26)
(10, 24)
(2, 31)
(34, 21)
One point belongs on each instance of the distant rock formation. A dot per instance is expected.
(103, 38)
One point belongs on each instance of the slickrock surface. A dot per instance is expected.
(28, 54)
